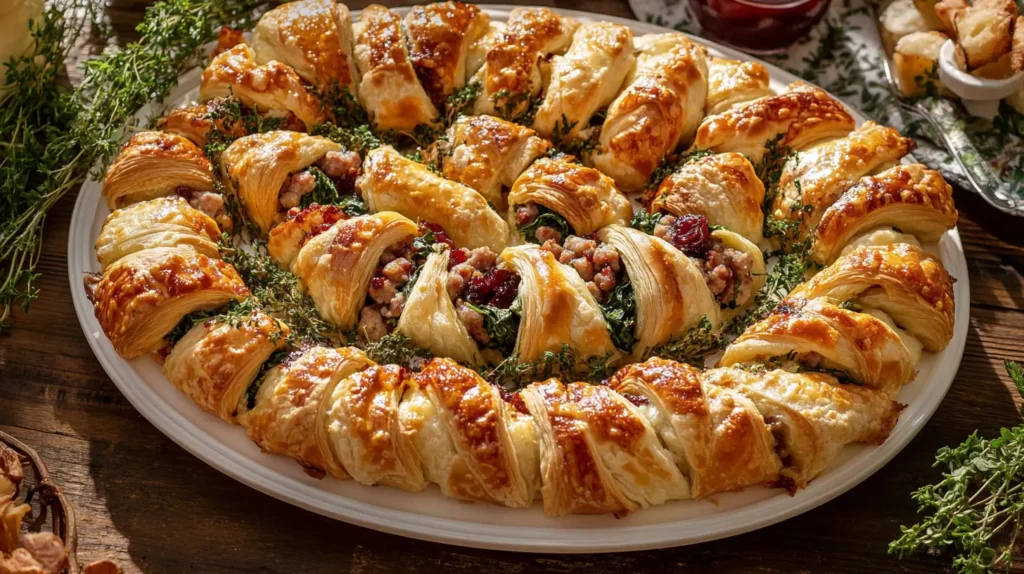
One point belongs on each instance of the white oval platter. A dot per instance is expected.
(429, 515)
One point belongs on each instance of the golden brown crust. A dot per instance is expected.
(658, 109)
(487, 153)
(722, 187)
(585, 197)
(439, 38)
(272, 86)
(161, 222)
(361, 422)
(306, 36)
(389, 89)
(195, 121)
(598, 453)
(913, 198)
(155, 164)
(800, 116)
(476, 418)
(718, 438)
(287, 238)
(143, 296)
(902, 280)
(818, 176)
(732, 82)
(511, 66)
(216, 361)
(816, 331)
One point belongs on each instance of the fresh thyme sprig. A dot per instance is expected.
(977, 509)
(52, 137)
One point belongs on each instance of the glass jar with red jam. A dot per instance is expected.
(758, 26)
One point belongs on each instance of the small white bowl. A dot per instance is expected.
(980, 95)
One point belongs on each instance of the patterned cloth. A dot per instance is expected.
(844, 55)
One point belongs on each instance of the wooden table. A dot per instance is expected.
(151, 506)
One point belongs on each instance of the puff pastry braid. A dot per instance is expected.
(659, 108)
(389, 88)
(285, 411)
(361, 422)
(217, 360)
(511, 72)
(440, 35)
(732, 82)
(585, 79)
(816, 333)
(556, 307)
(488, 154)
(722, 187)
(155, 164)
(903, 281)
(272, 87)
(598, 454)
(816, 177)
(143, 296)
(586, 198)
(162, 222)
(811, 415)
(717, 437)
(471, 442)
(912, 198)
(390, 182)
(796, 118)
(256, 168)
(313, 38)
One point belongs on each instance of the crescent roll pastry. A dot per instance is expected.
(906, 283)
(811, 415)
(272, 87)
(336, 266)
(313, 37)
(556, 307)
(161, 222)
(487, 153)
(155, 164)
(430, 318)
(585, 79)
(217, 360)
(283, 413)
(476, 55)
(818, 176)
(394, 183)
(360, 420)
(911, 198)
(472, 443)
(659, 108)
(389, 89)
(195, 121)
(817, 334)
(256, 168)
(598, 454)
(717, 437)
(800, 116)
(585, 198)
(732, 82)
(144, 295)
(669, 290)
(511, 73)
(722, 187)
(288, 237)
(440, 35)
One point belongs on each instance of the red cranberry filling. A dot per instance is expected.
(691, 235)
(497, 287)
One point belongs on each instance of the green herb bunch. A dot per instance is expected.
(977, 509)
(53, 136)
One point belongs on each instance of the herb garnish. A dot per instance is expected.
(645, 221)
(359, 139)
(396, 348)
(977, 509)
(690, 347)
(520, 108)
(619, 310)
(231, 113)
(545, 218)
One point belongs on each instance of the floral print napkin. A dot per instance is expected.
(844, 55)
